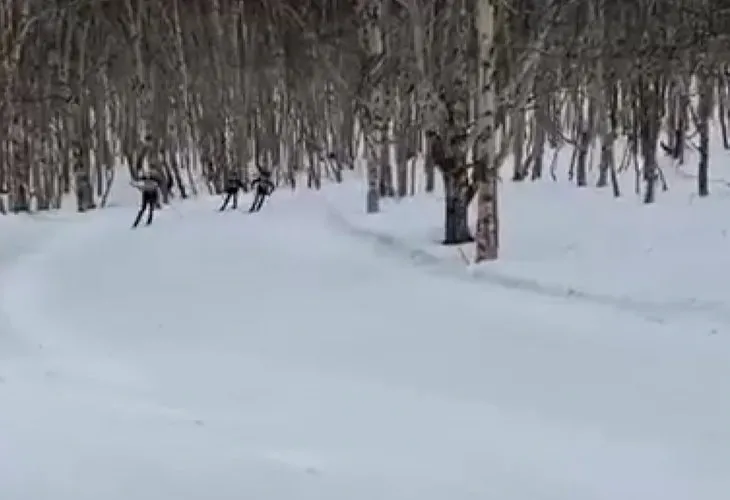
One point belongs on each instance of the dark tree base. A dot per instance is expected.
(458, 241)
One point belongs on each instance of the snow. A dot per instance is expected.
(311, 352)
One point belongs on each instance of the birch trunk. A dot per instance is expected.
(704, 110)
(487, 231)
(419, 41)
(374, 125)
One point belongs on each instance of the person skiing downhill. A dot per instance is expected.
(150, 188)
(233, 186)
(264, 187)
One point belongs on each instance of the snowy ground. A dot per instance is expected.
(310, 353)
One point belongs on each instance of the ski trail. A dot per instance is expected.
(21, 238)
(654, 311)
(43, 353)
(281, 346)
(19, 275)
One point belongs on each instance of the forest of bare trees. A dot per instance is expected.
(299, 86)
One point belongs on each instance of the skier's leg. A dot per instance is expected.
(225, 202)
(235, 201)
(260, 198)
(255, 202)
(153, 203)
(263, 200)
(140, 213)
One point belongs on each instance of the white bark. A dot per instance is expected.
(487, 241)
(375, 125)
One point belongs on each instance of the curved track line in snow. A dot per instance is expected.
(328, 401)
(23, 239)
(27, 286)
(653, 311)
(22, 278)
(53, 365)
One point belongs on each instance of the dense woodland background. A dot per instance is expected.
(198, 88)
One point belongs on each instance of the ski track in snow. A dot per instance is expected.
(22, 238)
(401, 248)
(275, 357)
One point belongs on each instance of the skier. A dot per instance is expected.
(150, 189)
(264, 187)
(233, 186)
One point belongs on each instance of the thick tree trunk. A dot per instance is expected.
(457, 200)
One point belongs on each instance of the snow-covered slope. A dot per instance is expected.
(307, 353)
(664, 260)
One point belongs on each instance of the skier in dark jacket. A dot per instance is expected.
(264, 187)
(150, 188)
(233, 186)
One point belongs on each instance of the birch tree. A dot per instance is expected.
(487, 233)
(373, 114)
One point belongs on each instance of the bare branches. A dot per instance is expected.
(232, 85)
